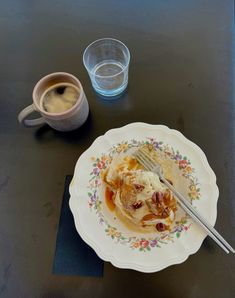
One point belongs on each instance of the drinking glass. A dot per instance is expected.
(107, 62)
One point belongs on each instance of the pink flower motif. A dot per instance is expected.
(144, 243)
(185, 228)
(100, 165)
(183, 164)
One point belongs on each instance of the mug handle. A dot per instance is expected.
(30, 123)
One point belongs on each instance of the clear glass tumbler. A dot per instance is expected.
(107, 62)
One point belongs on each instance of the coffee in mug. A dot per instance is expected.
(61, 101)
(59, 98)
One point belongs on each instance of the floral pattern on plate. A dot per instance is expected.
(141, 243)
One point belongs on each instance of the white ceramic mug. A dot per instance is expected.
(65, 121)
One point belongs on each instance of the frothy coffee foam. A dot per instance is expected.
(60, 98)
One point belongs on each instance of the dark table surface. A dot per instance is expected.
(181, 75)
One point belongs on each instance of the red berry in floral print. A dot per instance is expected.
(183, 164)
(144, 243)
(100, 164)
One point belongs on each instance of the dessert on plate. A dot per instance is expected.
(138, 196)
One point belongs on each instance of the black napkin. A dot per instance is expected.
(73, 256)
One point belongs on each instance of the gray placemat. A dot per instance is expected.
(72, 255)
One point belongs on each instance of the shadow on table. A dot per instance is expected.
(72, 137)
(111, 99)
(115, 105)
(209, 245)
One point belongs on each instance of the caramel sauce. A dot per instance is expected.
(149, 216)
(132, 164)
(133, 227)
(167, 197)
(109, 199)
(103, 175)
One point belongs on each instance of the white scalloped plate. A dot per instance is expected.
(110, 238)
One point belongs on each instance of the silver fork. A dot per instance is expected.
(151, 165)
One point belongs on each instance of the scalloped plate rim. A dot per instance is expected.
(132, 265)
(124, 265)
